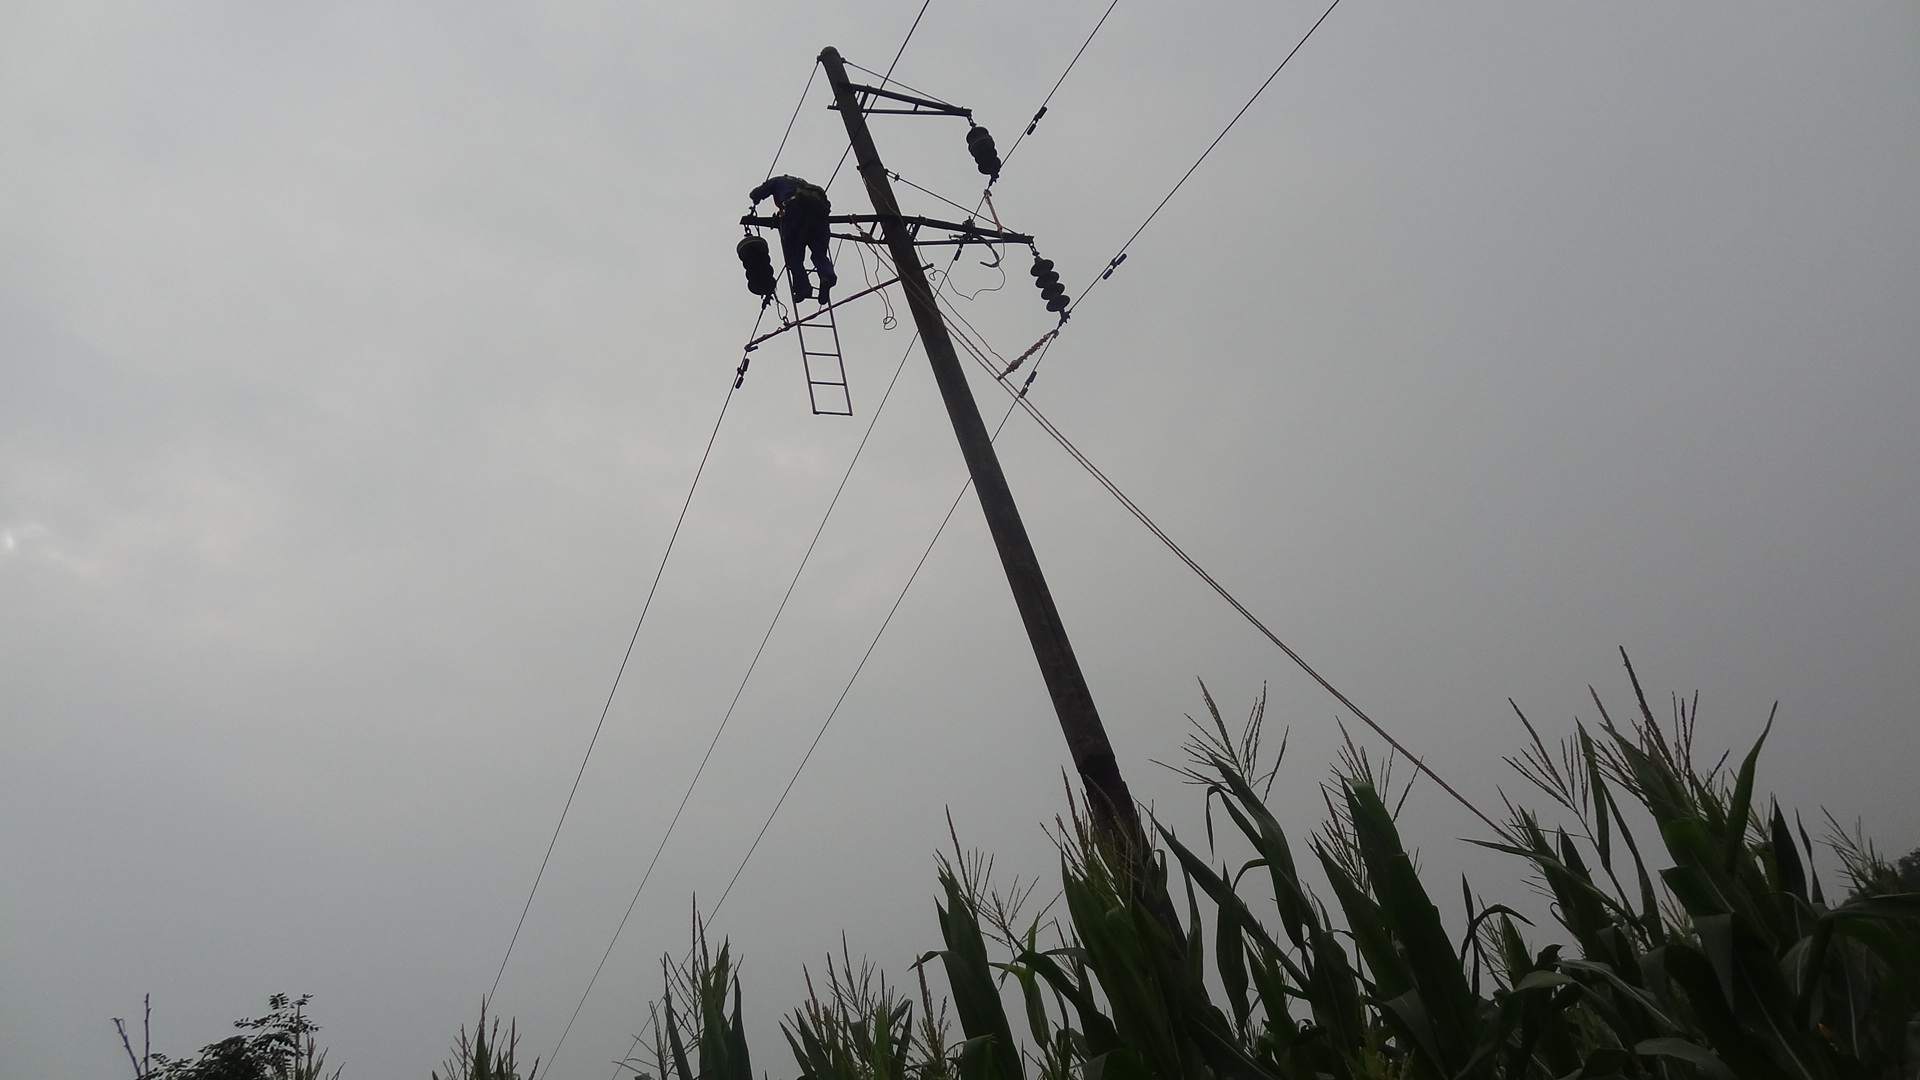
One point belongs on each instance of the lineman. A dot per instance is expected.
(803, 227)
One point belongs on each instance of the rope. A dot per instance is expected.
(1115, 262)
(608, 705)
(738, 691)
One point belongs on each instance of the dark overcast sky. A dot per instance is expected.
(355, 358)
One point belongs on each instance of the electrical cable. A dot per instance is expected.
(1042, 111)
(888, 78)
(957, 206)
(902, 50)
(797, 106)
(1021, 401)
(698, 472)
(699, 770)
(1114, 263)
(884, 79)
(848, 688)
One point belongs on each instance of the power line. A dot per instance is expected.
(884, 79)
(926, 191)
(898, 53)
(547, 856)
(738, 691)
(888, 78)
(851, 679)
(1042, 111)
(1122, 253)
(797, 106)
(902, 50)
(611, 691)
(1021, 401)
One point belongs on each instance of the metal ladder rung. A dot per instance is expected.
(838, 400)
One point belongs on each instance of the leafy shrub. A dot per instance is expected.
(280, 1046)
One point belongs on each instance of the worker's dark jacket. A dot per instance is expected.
(803, 224)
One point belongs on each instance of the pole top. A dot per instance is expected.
(829, 53)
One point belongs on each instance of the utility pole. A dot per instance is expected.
(1111, 804)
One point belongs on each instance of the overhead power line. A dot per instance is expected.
(797, 106)
(607, 706)
(701, 769)
(1120, 255)
(884, 79)
(594, 740)
(898, 53)
(821, 732)
(1021, 401)
(1048, 100)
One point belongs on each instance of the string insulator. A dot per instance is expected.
(980, 145)
(757, 260)
(1047, 279)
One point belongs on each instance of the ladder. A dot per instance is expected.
(826, 372)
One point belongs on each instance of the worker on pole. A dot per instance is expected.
(803, 228)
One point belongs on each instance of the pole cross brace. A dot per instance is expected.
(969, 233)
(921, 106)
(786, 326)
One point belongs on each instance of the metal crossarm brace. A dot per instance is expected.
(931, 107)
(969, 234)
(784, 327)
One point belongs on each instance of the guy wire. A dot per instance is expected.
(1021, 401)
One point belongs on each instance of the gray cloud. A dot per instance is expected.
(355, 360)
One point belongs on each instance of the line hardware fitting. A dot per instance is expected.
(806, 226)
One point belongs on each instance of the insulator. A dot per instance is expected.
(1047, 280)
(980, 145)
(757, 260)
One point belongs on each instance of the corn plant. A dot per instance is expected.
(706, 984)
(486, 1054)
(1725, 961)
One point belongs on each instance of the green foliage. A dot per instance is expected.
(1710, 953)
(858, 1030)
(279, 1046)
(704, 984)
(485, 1054)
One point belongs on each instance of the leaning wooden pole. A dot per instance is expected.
(1107, 796)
